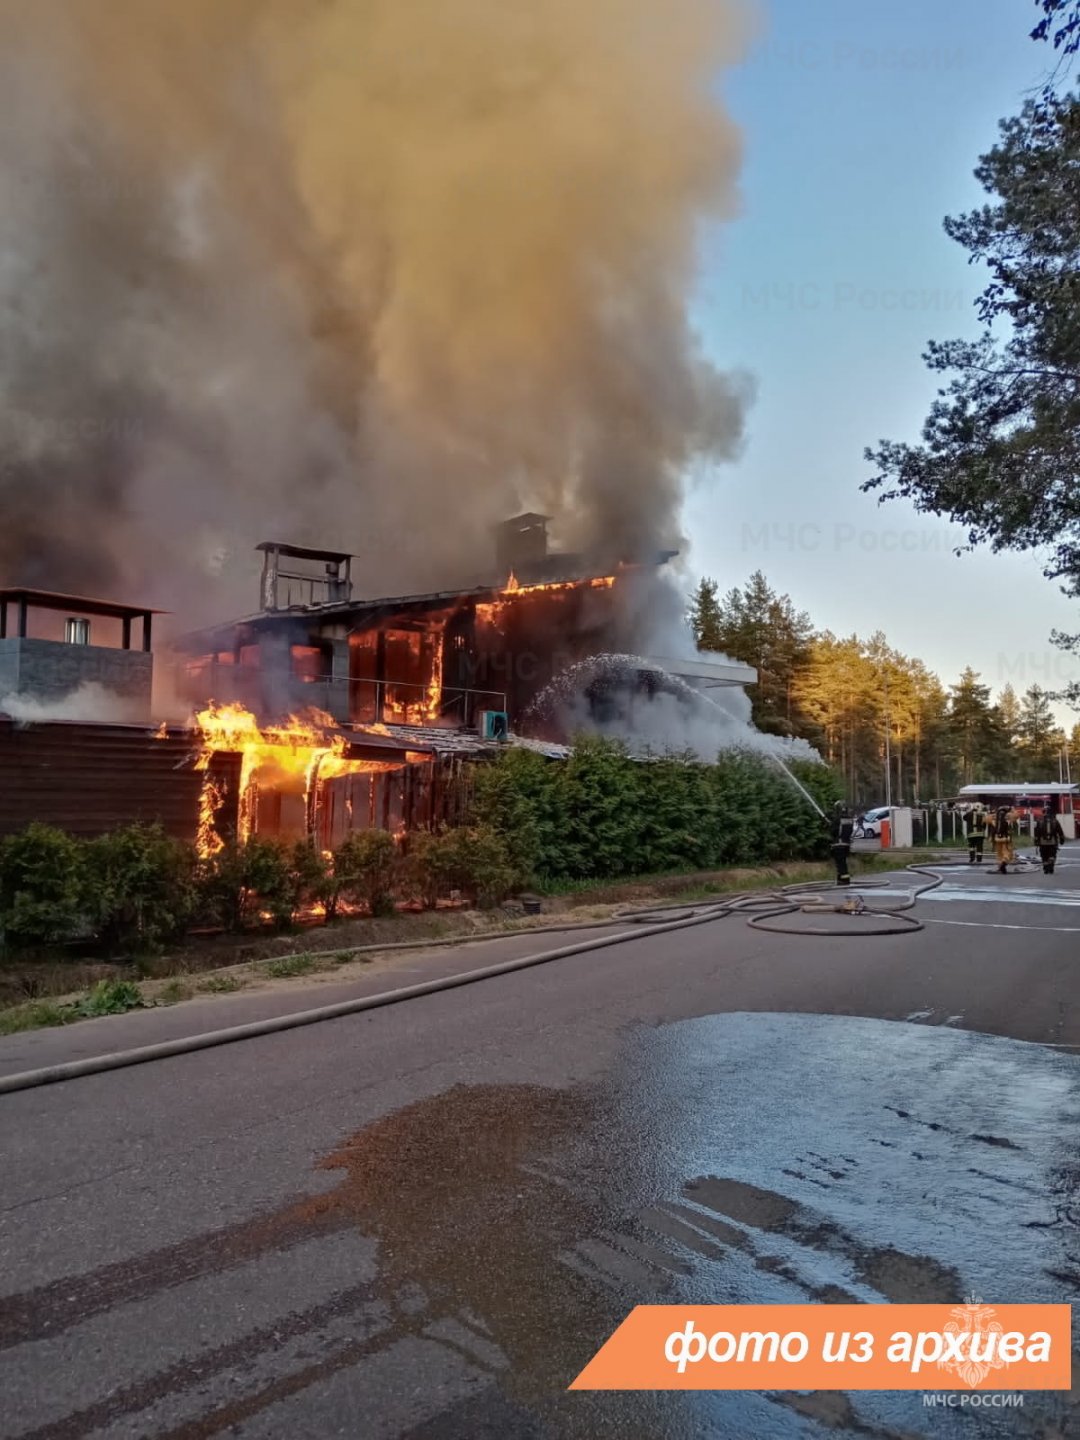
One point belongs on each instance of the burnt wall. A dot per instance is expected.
(519, 646)
(88, 779)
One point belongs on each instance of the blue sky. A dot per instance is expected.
(862, 125)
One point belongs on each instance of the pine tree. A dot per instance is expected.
(1010, 713)
(837, 694)
(763, 629)
(971, 724)
(1038, 747)
(705, 616)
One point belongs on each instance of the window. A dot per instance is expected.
(312, 663)
(77, 632)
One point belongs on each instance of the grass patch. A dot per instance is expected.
(345, 957)
(222, 984)
(174, 992)
(38, 1015)
(289, 966)
(108, 997)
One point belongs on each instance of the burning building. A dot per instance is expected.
(352, 712)
(467, 660)
(326, 712)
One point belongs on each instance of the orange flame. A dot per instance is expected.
(492, 612)
(413, 705)
(600, 582)
(298, 754)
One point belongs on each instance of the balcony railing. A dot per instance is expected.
(360, 702)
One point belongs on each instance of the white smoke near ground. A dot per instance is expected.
(90, 703)
(367, 273)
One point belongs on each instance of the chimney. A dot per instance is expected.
(520, 543)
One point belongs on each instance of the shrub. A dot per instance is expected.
(366, 866)
(677, 823)
(312, 879)
(421, 874)
(521, 797)
(602, 805)
(110, 997)
(139, 887)
(473, 859)
(243, 880)
(41, 887)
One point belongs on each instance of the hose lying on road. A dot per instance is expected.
(765, 908)
(762, 909)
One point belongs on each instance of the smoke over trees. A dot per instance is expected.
(353, 271)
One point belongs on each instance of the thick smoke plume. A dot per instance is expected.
(365, 273)
(633, 699)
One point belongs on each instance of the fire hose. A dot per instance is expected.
(762, 910)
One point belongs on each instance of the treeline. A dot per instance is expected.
(855, 700)
(532, 823)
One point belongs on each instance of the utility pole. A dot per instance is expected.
(888, 745)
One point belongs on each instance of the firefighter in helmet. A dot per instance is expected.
(841, 830)
(1048, 836)
(975, 825)
(1001, 832)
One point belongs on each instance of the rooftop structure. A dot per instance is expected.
(54, 645)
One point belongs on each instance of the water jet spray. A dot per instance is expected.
(798, 785)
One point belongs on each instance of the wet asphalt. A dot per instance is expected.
(423, 1221)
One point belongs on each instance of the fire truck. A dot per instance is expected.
(1027, 802)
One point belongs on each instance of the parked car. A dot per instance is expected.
(870, 829)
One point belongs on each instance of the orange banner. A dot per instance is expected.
(837, 1347)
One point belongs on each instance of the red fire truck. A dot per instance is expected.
(1027, 801)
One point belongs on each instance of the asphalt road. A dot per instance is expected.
(423, 1221)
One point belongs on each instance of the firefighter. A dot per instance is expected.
(1001, 832)
(841, 829)
(975, 825)
(1048, 835)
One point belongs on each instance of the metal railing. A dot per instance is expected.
(361, 702)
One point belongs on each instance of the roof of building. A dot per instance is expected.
(302, 552)
(571, 571)
(708, 672)
(525, 521)
(433, 739)
(54, 600)
(1029, 788)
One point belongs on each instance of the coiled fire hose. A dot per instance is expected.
(763, 909)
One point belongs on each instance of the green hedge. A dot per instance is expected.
(599, 816)
(603, 815)
(135, 889)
